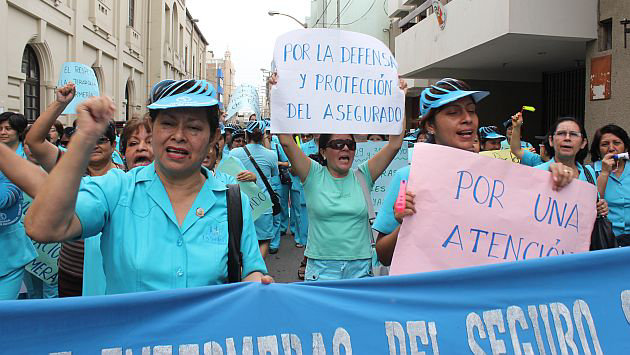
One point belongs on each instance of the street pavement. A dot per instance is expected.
(283, 265)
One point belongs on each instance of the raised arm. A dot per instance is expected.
(26, 175)
(515, 142)
(379, 162)
(46, 224)
(45, 152)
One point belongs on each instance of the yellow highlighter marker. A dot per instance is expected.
(528, 108)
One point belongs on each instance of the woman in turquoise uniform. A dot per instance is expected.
(613, 179)
(16, 250)
(449, 113)
(164, 226)
(267, 162)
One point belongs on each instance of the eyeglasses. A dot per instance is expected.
(338, 144)
(102, 140)
(571, 134)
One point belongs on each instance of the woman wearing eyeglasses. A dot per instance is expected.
(569, 147)
(339, 230)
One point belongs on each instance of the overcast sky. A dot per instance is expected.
(245, 28)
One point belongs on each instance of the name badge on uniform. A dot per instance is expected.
(200, 212)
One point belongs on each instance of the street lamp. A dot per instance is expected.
(274, 13)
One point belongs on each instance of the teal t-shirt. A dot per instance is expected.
(338, 216)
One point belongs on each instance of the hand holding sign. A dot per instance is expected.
(84, 78)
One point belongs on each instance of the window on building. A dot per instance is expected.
(175, 28)
(167, 23)
(132, 9)
(605, 35)
(127, 104)
(30, 67)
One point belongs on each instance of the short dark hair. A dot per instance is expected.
(17, 121)
(581, 155)
(59, 128)
(256, 136)
(610, 129)
(131, 127)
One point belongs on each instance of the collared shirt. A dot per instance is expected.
(144, 248)
(545, 166)
(617, 195)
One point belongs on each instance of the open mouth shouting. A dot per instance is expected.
(141, 160)
(466, 134)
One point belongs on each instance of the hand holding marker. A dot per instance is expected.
(401, 200)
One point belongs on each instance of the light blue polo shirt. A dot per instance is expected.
(266, 159)
(506, 145)
(385, 221)
(531, 159)
(144, 248)
(617, 195)
(545, 166)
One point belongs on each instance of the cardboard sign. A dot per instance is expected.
(45, 265)
(85, 81)
(367, 150)
(471, 210)
(259, 201)
(503, 154)
(332, 81)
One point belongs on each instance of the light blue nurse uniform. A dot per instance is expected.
(268, 163)
(617, 195)
(143, 246)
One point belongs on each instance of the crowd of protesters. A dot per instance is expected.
(152, 209)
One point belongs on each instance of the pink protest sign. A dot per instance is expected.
(474, 210)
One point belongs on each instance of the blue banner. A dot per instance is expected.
(558, 305)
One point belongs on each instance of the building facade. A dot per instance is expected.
(565, 57)
(130, 44)
(349, 15)
(221, 73)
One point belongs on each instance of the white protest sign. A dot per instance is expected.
(85, 81)
(367, 150)
(332, 81)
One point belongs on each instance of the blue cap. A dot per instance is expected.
(253, 125)
(489, 132)
(169, 94)
(413, 136)
(430, 100)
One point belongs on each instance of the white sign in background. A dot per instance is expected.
(332, 81)
(367, 150)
